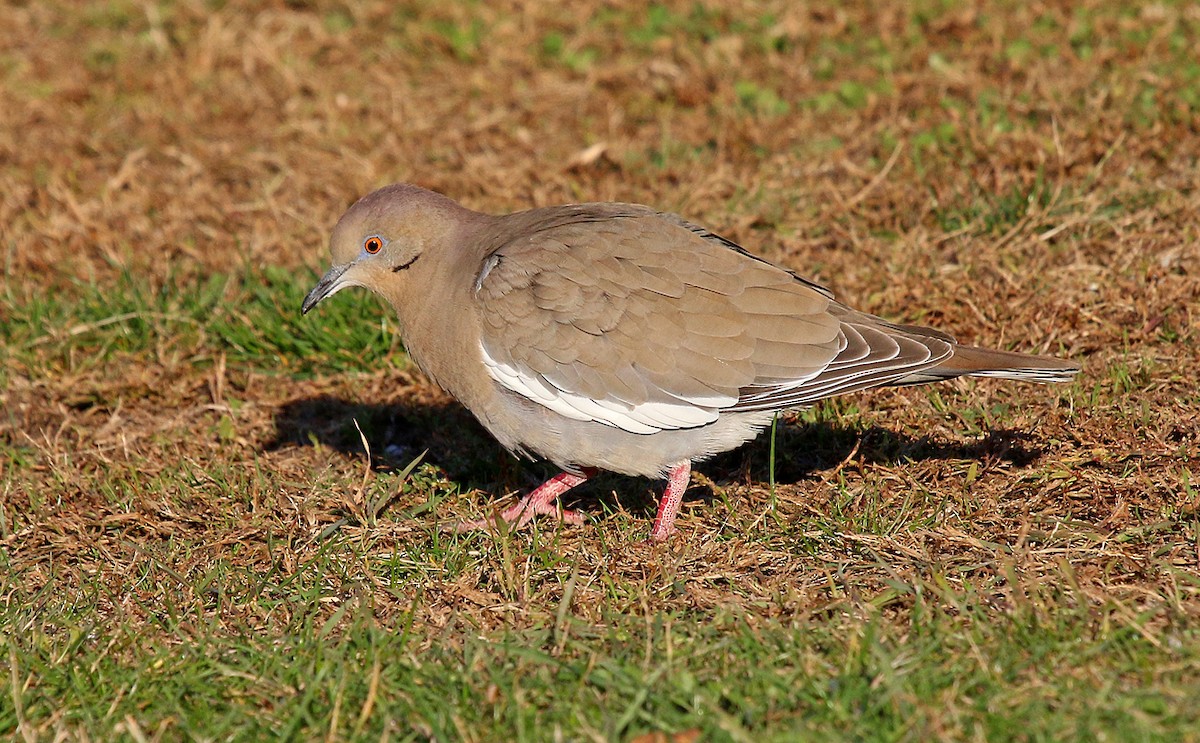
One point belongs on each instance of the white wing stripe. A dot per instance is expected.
(646, 418)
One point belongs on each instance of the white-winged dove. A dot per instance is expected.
(616, 337)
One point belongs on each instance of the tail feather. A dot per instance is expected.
(973, 361)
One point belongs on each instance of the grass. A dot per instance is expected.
(250, 319)
(829, 675)
(219, 519)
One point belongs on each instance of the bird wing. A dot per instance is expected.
(645, 322)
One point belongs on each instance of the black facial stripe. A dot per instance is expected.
(406, 264)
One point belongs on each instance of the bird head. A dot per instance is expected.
(382, 235)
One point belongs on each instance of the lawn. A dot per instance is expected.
(220, 519)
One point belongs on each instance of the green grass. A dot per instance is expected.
(194, 545)
(1055, 667)
(253, 319)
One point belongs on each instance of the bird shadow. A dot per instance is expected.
(456, 443)
(396, 433)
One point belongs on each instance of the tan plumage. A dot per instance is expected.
(616, 337)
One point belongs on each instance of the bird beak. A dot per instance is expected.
(331, 283)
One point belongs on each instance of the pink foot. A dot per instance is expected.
(539, 502)
(672, 499)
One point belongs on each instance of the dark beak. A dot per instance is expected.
(329, 284)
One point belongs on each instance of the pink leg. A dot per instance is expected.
(539, 502)
(668, 507)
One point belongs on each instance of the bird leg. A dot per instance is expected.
(672, 499)
(539, 502)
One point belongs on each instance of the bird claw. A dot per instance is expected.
(515, 520)
(541, 502)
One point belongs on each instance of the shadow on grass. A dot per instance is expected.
(469, 456)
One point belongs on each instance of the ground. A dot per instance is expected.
(208, 524)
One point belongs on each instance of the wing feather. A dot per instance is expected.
(645, 322)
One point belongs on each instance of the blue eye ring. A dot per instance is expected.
(373, 244)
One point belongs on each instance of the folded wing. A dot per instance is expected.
(644, 322)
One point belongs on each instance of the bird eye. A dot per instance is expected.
(373, 245)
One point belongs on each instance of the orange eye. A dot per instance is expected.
(373, 245)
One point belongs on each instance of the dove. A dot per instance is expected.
(616, 337)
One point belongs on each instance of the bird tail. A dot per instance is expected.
(972, 361)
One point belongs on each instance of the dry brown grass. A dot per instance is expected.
(928, 168)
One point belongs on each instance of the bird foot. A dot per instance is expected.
(516, 517)
(541, 502)
(668, 506)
